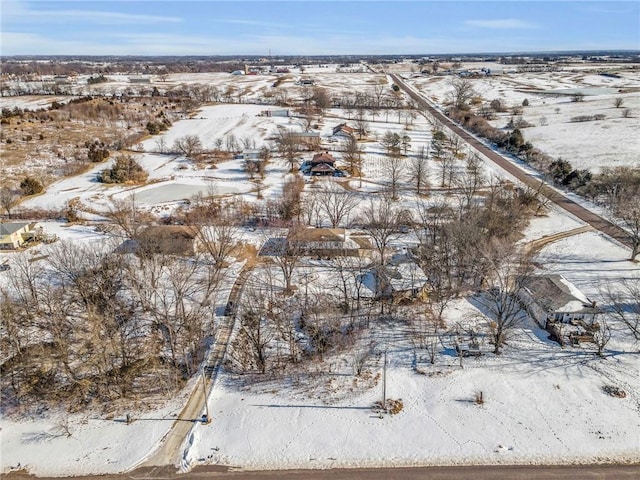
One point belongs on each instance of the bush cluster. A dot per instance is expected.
(125, 169)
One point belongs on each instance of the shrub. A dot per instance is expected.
(97, 152)
(98, 79)
(525, 102)
(125, 169)
(614, 391)
(497, 105)
(31, 186)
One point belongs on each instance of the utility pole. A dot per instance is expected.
(384, 381)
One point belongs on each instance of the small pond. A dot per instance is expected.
(173, 192)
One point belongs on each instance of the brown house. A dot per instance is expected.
(162, 239)
(323, 157)
(343, 130)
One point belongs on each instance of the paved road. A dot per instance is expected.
(559, 199)
(169, 453)
(543, 472)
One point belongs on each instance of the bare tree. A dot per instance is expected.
(394, 170)
(217, 240)
(321, 99)
(627, 208)
(128, 217)
(601, 336)
(188, 145)
(618, 102)
(254, 335)
(504, 268)
(470, 181)
(7, 199)
(425, 333)
(447, 169)
(310, 208)
(337, 203)
(361, 125)
(288, 145)
(352, 155)
(462, 91)
(380, 221)
(287, 259)
(391, 142)
(418, 170)
(161, 145)
(231, 143)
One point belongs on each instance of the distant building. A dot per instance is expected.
(310, 139)
(322, 164)
(248, 154)
(283, 112)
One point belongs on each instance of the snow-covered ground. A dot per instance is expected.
(610, 142)
(542, 403)
(535, 411)
(60, 444)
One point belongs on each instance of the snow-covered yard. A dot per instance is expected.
(542, 403)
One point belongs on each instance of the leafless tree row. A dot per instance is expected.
(111, 321)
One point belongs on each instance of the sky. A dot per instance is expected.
(184, 27)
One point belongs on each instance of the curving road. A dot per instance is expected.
(587, 216)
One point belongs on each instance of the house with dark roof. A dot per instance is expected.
(322, 242)
(322, 163)
(178, 240)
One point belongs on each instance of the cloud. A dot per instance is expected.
(252, 23)
(18, 10)
(506, 23)
(109, 17)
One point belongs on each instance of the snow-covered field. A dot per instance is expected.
(542, 403)
(602, 143)
(535, 411)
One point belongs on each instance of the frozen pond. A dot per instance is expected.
(173, 192)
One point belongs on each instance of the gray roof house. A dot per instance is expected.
(552, 298)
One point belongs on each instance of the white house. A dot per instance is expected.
(13, 235)
(552, 298)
